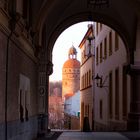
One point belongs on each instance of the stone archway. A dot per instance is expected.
(58, 16)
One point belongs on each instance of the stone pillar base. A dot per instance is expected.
(42, 128)
(133, 122)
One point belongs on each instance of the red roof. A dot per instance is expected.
(72, 63)
(68, 95)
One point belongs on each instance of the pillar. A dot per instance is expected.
(134, 115)
(45, 69)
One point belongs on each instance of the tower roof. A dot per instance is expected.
(72, 51)
(71, 63)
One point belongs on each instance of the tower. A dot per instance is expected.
(71, 74)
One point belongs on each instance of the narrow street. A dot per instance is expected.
(99, 136)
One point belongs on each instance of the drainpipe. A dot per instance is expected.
(13, 22)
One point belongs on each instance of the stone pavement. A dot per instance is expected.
(50, 136)
(99, 136)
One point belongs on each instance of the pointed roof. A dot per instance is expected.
(72, 51)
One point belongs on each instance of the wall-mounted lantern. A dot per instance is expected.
(99, 81)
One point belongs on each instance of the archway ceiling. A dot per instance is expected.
(57, 15)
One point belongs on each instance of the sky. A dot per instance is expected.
(71, 36)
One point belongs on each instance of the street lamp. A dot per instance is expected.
(99, 81)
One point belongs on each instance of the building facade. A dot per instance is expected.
(112, 92)
(86, 78)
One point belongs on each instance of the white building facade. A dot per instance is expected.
(112, 94)
(72, 104)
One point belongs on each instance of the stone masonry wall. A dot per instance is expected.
(19, 63)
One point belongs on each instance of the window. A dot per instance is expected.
(82, 112)
(105, 48)
(110, 96)
(100, 26)
(86, 110)
(117, 94)
(89, 77)
(110, 43)
(124, 95)
(101, 56)
(101, 109)
(97, 28)
(97, 56)
(85, 80)
(116, 41)
(82, 57)
(82, 82)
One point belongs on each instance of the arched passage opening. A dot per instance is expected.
(102, 69)
(111, 18)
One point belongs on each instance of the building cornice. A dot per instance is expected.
(20, 36)
(88, 87)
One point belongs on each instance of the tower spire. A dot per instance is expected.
(72, 53)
